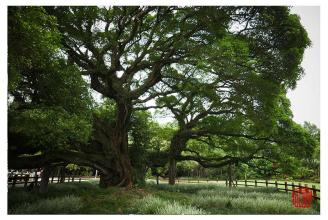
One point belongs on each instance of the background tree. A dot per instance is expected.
(310, 165)
(238, 80)
(158, 153)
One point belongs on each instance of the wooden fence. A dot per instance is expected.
(277, 185)
(27, 179)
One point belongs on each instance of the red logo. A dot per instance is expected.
(302, 197)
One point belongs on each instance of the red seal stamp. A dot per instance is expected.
(302, 197)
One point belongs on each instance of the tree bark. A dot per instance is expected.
(178, 143)
(117, 151)
(172, 170)
(44, 180)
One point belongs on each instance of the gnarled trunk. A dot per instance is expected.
(117, 150)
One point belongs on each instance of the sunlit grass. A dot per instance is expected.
(156, 205)
(216, 199)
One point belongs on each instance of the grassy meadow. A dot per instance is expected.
(183, 198)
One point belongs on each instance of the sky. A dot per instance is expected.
(305, 99)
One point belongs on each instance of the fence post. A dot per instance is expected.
(246, 183)
(58, 179)
(293, 186)
(286, 187)
(255, 183)
(266, 183)
(26, 179)
(80, 180)
(73, 178)
(276, 183)
(226, 182)
(52, 178)
(236, 183)
(14, 181)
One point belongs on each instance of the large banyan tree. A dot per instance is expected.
(124, 52)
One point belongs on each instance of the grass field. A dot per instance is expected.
(261, 183)
(183, 198)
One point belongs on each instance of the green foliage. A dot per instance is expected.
(72, 167)
(223, 72)
(48, 129)
(49, 102)
(106, 110)
(140, 144)
(236, 95)
(281, 57)
(32, 39)
(310, 166)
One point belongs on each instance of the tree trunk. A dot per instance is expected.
(62, 175)
(44, 180)
(157, 180)
(117, 150)
(178, 143)
(172, 171)
(230, 175)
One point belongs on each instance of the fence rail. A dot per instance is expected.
(27, 179)
(255, 183)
